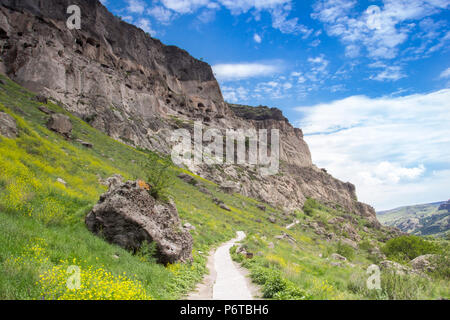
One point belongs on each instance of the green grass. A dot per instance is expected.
(43, 231)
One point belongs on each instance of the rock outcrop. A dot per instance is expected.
(425, 263)
(8, 126)
(128, 216)
(137, 90)
(395, 267)
(61, 124)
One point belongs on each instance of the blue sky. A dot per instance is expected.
(367, 81)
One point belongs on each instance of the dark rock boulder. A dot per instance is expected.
(224, 207)
(8, 126)
(85, 144)
(128, 216)
(45, 110)
(41, 99)
(261, 207)
(187, 178)
(61, 124)
(202, 189)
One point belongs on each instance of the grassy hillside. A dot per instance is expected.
(43, 231)
(423, 219)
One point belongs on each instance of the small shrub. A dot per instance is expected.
(148, 252)
(291, 292)
(309, 207)
(345, 250)
(274, 285)
(365, 245)
(159, 178)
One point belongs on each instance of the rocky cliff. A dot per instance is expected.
(137, 90)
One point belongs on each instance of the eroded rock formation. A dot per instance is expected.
(137, 90)
(128, 216)
(8, 126)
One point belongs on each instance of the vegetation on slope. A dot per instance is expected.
(43, 231)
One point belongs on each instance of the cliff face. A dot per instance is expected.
(137, 90)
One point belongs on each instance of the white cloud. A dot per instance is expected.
(396, 150)
(234, 95)
(318, 70)
(239, 71)
(278, 9)
(390, 73)
(380, 30)
(161, 14)
(281, 22)
(184, 6)
(136, 6)
(242, 6)
(145, 25)
(445, 73)
(257, 38)
(389, 173)
(207, 16)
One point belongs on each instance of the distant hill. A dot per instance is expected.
(422, 219)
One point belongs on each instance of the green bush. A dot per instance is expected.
(406, 248)
(442, 270)
(292, 292)
(148, 252)
(160, 179)
(365, 245)
(309, 206)
(345, 250)
(275, 286)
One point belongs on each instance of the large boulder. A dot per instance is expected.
(395, 267)
(8, 126)
(60, 124)
(425, 263)
(128, 216)
(230, 187)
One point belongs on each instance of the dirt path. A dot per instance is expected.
(226, 279)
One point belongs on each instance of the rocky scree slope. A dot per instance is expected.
(137, 90)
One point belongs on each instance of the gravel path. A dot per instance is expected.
(230, 282)
(226, 279)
